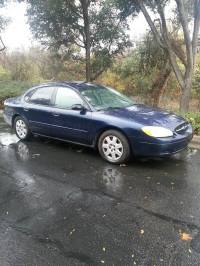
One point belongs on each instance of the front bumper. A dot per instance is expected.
(7, 118)
(161, 147)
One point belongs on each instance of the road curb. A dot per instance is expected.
(195, 143)
(196, 139)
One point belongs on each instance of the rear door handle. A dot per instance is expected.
(56, 115)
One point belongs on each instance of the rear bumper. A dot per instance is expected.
(163, 148)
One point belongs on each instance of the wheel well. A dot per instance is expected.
(110, 128)
(13, 119)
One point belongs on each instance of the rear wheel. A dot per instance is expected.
(114, 147)
(21, 128)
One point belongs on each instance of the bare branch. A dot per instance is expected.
(79, 45)
(163, 20)
(171, 51)
(186, 32)
(196, 28)
(150, 22)
(177, 71)
(178, 50)
(98, 74)
(73, 9)
(4, 47)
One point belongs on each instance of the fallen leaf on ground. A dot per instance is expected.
(36, 155)
(142, 232)
(72, 231)
(186, 237)
(79, 151)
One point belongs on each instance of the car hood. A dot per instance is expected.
(148, 116)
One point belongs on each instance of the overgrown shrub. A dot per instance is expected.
(12, 88)
(194, 119)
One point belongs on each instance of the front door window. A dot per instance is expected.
(66, 98)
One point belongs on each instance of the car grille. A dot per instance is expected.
(182, 128)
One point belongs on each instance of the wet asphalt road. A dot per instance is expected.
(63, 205)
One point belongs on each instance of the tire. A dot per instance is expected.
(114, 147)
(21, 128)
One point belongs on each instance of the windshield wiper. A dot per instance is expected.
(109, 108)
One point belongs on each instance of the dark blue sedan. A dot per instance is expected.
(97, 116)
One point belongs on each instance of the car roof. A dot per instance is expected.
(74, 84)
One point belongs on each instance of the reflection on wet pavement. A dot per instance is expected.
(63, 205)
(7, 139)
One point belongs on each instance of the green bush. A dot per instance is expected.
(12, 88)
(194, 119)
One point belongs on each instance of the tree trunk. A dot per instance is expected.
(88, 65)
(184, 78)
(159, 86)
(185, 96)
(85, 5)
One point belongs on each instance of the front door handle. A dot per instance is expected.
(26, 109)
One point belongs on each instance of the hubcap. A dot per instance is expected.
(21, 129)
(112, 148)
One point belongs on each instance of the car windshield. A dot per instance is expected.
(102, 98)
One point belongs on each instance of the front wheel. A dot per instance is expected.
(21, 128)
(114, 147)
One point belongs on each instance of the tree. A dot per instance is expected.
(91, 25)
(144, 72)
(154, 59)
(3, 23)
(182, 60)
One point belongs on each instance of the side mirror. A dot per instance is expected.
(78, 107)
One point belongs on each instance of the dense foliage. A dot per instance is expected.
(20, 70)
(184, 19)
(95, 28)
(134, 74)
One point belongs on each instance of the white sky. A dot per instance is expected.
(18, 35)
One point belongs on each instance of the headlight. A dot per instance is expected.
(157, 132)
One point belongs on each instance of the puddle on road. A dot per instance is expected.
(185, 155)
(7, 139)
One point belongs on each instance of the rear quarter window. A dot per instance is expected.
(41, 96)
